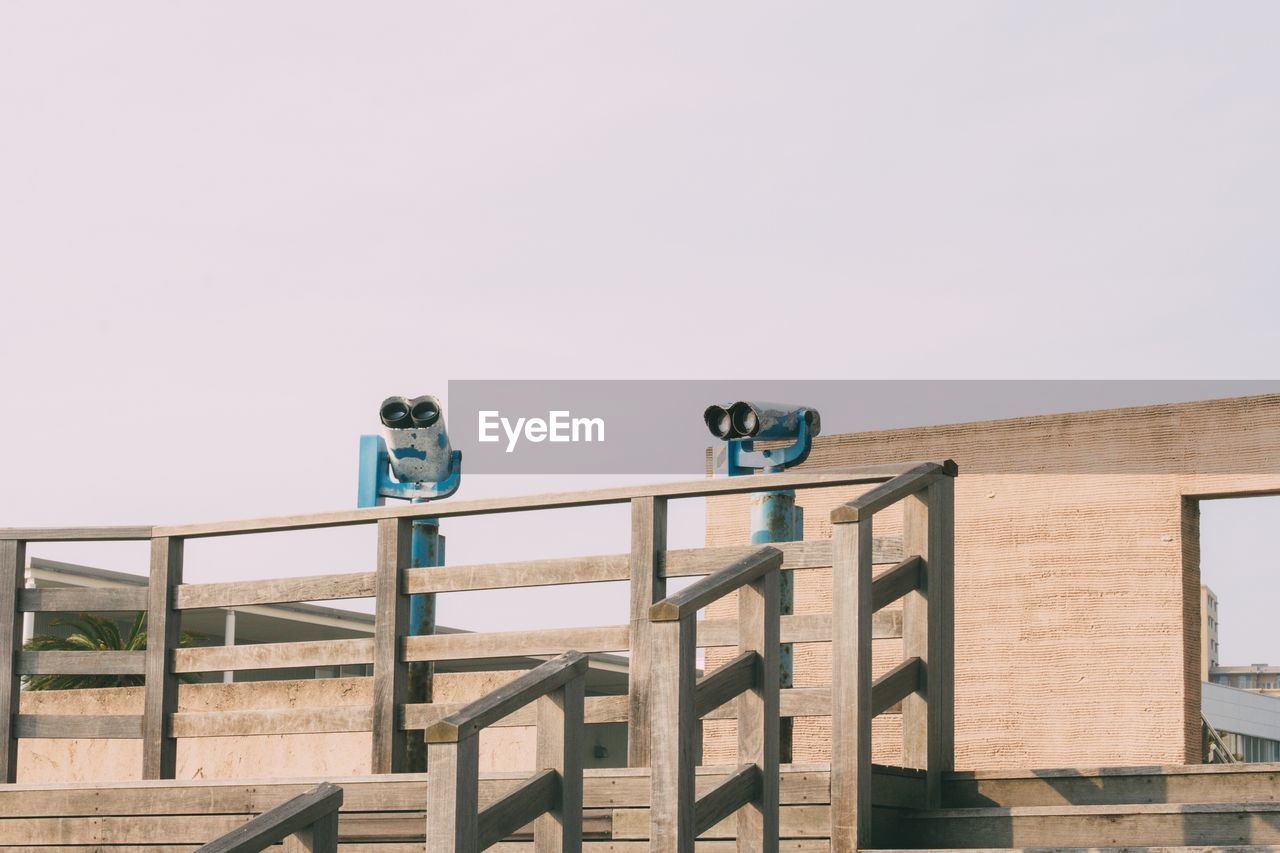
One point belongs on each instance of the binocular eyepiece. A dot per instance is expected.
(752, 419)
(399, 413)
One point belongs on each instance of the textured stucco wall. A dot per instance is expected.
(246, 757)
(1077, 577)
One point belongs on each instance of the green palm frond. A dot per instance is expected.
(94, 634)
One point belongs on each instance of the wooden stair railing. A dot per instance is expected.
(552, 797)
(924, 681)
(677, 816)
(307, 822)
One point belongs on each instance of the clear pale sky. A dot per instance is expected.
(228, 229)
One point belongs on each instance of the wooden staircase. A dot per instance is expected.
(662, 801)
(1235, 806)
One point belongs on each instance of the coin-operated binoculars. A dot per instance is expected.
(412, 460)
(774, 514)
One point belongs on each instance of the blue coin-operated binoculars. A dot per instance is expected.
(774, 514)
(412, 460)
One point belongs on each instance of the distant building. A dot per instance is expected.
(1259, 677)
(1208, 632)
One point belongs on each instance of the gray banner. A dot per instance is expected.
(656, 426)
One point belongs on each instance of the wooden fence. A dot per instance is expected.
(922, 684)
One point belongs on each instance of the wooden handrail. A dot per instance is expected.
(552, 797)
(798, 479)
(313, 815)
(509, 698)
(907, 483)
(713, 587)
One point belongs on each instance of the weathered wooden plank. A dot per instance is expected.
(159, 747)
(895, 685)
(355, 718)
(83, 600)
(803, 628)
(808, 479)
(605, 568)
(76, 534)
(499, 703)
(390, 672)
(87, 663)
(274, 655)
(700, 593)
(108, 726)
(648, 547)
(850, 827)
(521, 806)
(599, 709)
(565, 570)
(759, 730)
(285, 819)
(13, 564)
(725, 683)
(808, 554)
(896, 582)
(551, 641)
(671, 827)
(558, 829)
(807, 821)
(740, 788)
(275, 591)
(886, 494)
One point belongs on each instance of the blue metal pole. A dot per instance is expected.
(427, 550)
(776, 518)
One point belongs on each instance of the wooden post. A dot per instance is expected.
(13, 567)
(560, 725)
(391, 622)
(851, 686)
(453, 796)
(927, 633)
(672, 793)
(758, 724)
(648, 586)
(159, 747)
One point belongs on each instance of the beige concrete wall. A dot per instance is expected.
(1077, 577)
(246, 757)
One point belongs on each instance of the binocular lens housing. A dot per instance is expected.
(745, 421)
(423, 412)
(719, 421)
(394, 413)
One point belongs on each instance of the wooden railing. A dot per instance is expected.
(922, 576)
(677, 816)
(552, 798)
(308, 822)
(924, 681)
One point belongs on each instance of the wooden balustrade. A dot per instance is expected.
(659, 634)
(678, 699)
(551, 798)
